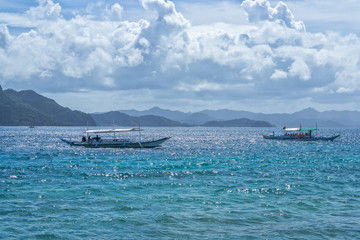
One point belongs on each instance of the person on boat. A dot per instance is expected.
(83, 139)
(97, 138)
(90, 140)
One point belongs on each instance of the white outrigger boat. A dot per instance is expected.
(299, 134)
(98, 142)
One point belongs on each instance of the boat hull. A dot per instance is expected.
(307, 138)
(117, 143)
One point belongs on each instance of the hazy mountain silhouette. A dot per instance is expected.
(198, 118)
(30, 108)
(306, 117)
(243, 122)
(156, 111)
(115, 118)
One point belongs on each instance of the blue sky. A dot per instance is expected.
(256, 55)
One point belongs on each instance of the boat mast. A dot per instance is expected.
(114, 127)
(140, 136)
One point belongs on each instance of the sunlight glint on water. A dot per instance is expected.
(204, 182)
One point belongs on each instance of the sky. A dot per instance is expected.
(254, 55)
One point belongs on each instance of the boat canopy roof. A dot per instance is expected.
(299, 129)
(112, 130)
(291, 129)
(308, 129)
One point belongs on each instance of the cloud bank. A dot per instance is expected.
(271, 60)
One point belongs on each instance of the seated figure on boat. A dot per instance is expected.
(97, 138)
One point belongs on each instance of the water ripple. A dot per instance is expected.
(215, 183)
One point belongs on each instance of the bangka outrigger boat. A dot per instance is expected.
(98, 142)
(299, 134)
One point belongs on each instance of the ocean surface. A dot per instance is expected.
(204, 183)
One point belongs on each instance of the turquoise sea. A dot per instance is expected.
(204, 183)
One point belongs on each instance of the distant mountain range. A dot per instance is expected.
(242, 122)
(30, 108)
(308, 117)
(26, 108)
(115, 118)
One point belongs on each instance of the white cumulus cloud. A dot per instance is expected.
(260, 10)
(279, 74)
(47, 9)
(115, 11)
(179, 61)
